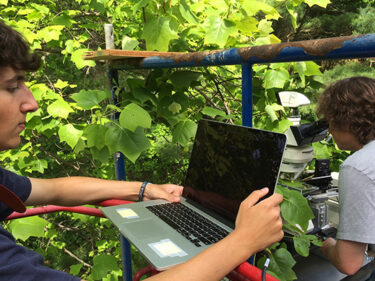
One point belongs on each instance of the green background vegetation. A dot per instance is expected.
(73, 132)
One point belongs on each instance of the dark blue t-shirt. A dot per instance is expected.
(18, 263)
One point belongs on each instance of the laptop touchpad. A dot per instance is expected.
(142, 229)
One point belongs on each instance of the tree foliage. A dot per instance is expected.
(74, 133)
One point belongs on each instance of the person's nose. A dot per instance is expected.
(29, 104)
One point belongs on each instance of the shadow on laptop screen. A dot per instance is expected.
(228, 162)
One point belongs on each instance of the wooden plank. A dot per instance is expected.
(122, 54)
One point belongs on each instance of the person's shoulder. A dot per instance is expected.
(363, 160)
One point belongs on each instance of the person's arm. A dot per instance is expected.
(257, 226)
(346, 256)
(71, 191)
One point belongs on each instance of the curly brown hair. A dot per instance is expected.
(15, 52)
(349, 104)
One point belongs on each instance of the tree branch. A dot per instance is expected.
(77, 258)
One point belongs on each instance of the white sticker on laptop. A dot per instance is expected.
(166, 248)
(127, 213)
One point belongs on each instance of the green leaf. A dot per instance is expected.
(63, 19)
(265, 27)
(140, 4)
(220, 6)
(312, 69)
(75, 268)
(133, 116)
(281, 264)
(293, 14)
(128, 43)
(253, 7)
(59, 108)
(61, 84)
(184, 131)
(80, 146)
(174, 107)
(212, 112)
(321, 151)
(102, 265)
(97, 6)
(281, 126)
(182, 79)
(315, 240)
(301, 69)
(218, 30)
(321, 3)
(270, 112)
(50, 33)
(186, 13)
(302, 245)
(89, 99)
(247, 26)
(129, 143)
(77, 58)
(95, 135)
(142, 94)
(38, 165)
(275, 78)
(101, 155)
(39, 90)
(41, 8)
(27, 227)
(4, 2)
(295, 208)
(26, 11)
(158, 33)
(69, 134)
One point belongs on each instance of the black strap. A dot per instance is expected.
(142, 190)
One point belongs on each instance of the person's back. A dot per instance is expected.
(357, 194)
(348, 106)
(363, 160)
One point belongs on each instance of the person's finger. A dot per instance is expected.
(275, 199)
(177, 190)
(254, 197)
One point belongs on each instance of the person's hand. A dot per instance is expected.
(259, 225)
(170, 192)
(327, 244)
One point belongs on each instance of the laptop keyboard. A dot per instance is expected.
(193, 226)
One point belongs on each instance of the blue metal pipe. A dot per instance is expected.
(126, 259)
(119, 161)
(247, 95)
(331, 48)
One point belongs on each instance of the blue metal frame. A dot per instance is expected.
(331, 48)
(247, 95)
(119, 161)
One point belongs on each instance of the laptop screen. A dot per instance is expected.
(228, 162)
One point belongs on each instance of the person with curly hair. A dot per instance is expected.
(348, 106)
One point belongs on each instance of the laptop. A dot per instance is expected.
(227, 163)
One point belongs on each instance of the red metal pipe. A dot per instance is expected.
(113, 202)
(236, 276)
(52, 209)
(150, 270)
(253, 273)
(78, 209)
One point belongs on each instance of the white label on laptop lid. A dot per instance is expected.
(166, 248)
(127, 213)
